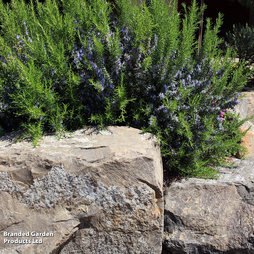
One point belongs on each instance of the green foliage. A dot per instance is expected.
(241, 39)
(64, 72)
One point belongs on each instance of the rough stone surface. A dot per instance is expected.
(212, 216)
(95, 192)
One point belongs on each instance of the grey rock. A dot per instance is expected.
(92, 192)
(212, 216)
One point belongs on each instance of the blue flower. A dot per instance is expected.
(161, 95)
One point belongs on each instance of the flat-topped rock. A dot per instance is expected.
(94, 192)
(212, 216)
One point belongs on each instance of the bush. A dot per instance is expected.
(241, 40)
(64, 72)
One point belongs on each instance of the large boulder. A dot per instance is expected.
(94, 192)
(212, 216)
